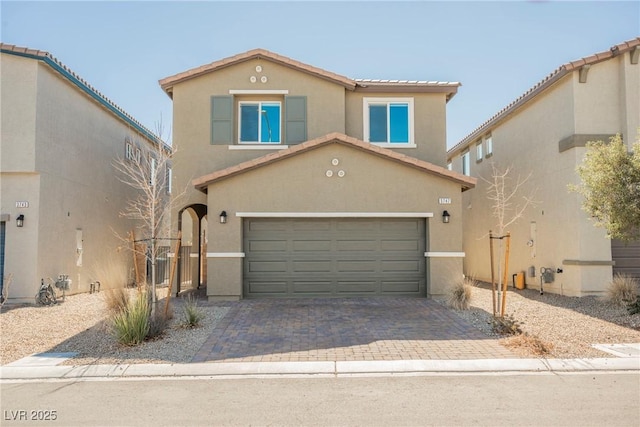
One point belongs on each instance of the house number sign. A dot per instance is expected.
(22, 204)
(444, 200)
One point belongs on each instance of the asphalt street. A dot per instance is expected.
(496, 399)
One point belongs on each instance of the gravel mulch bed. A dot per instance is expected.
(79, 325)
(569, 325)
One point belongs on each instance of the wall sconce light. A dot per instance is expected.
(445, 217)
(20, 221)
(223, 217)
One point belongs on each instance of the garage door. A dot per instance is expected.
(334, 257)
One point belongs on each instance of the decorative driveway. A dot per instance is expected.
(345, 329)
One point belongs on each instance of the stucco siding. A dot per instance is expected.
(300, 185)
(17, 113)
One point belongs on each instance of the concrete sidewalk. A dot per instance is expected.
(316, 369)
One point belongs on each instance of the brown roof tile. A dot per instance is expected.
(203, 182)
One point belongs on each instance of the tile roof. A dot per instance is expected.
(202, 182)
(352, 84)
(82, 84)
(541, 86)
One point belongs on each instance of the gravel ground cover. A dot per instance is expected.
(79, 324)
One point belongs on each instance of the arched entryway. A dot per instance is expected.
(192, 261)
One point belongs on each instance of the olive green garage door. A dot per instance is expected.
(294, 257)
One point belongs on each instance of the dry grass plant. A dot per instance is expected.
(131, 325)
(460, 294)
(622, 290)
(529, 343)
(191, 312)
(116, 299)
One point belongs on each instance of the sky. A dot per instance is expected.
(497, 50)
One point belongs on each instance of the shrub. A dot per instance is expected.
(530, 343)
(192, 314)
(634, 306)
(507, 325)
(131, 325)
(460, 294)
(117, 299)
(622, 290)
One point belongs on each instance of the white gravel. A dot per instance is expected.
(570, 324)
(79, 325)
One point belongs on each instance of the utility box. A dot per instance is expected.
(519, 280)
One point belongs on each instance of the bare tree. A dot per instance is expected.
(146, 169)
(508, 205)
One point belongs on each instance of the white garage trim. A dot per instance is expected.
(444, 254)
(334, 214)
(225, 254)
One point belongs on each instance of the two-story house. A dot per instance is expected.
(304, 182)
(543, 134)
(61, 195)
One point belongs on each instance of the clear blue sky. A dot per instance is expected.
(497, 50)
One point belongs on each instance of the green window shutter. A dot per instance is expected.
(295, 119)
(222, 120)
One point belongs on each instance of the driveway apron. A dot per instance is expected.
(345, 329)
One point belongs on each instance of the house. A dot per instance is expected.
(301, 182)
(61, 195)
(543, 133)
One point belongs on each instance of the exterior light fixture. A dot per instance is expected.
(445, 217)
(20, 221)
(223, 217)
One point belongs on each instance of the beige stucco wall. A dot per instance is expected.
(70, 183)
(430, 123)
(528, 142)
(299, 184)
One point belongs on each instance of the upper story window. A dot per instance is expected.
(259, 122)
(153, 167)
(169, 178)
(488, 141)
(449, 166)
(388, 121)
(466, 167)
(479, 151)
(131, 152)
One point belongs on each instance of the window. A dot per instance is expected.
(479, 151)
(259, 122)
(153, 166)
(488, 141)
(388, 121)
(131, 152)
(466, 170)
(169, 180)
(449, 166)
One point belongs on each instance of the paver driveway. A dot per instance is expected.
(345, 329)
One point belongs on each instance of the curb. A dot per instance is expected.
(316, 369)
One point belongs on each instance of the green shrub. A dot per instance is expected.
(634, 306)
(459, 295)
(622, 290)
(131, 325)
(192, 313)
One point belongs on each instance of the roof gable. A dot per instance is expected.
(368, 85)
(203, 182)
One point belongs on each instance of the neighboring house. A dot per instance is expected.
(59, 139)
(314, 184)
(543, 133)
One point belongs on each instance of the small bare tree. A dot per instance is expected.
(508, 205)
(148, 173)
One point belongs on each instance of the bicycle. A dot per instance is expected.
(47, 295)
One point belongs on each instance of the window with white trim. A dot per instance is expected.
(488, 141)
(259, 122)
(466, 167)
(169, 176)
(388, 121)
(153, 166)
(479, 151)
(131, 152)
